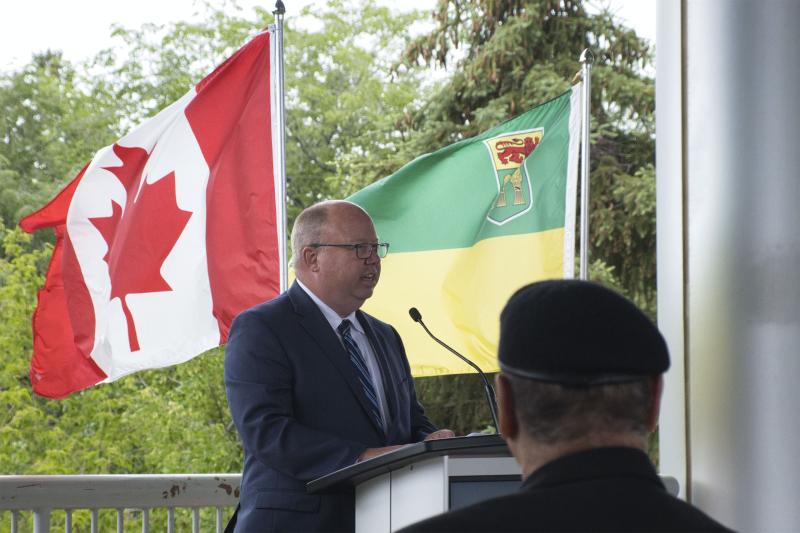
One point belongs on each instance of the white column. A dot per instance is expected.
(669, 244)
(741, 254)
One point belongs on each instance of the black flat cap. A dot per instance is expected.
(578, 333)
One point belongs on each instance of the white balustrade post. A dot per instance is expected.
(41, 520)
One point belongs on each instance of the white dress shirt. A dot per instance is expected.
(361, 339)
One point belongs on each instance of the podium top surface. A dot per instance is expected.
(491, 445)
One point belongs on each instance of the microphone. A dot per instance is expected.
(490, 397)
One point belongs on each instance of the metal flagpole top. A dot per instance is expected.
(586, 56)
(280, 9)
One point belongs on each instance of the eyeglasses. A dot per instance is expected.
(364, 250)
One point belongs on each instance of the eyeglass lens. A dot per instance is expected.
(364, 251)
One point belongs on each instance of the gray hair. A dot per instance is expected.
(552, 413)
(307, 229)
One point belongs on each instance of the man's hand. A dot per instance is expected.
(369, 453)
(441, 434)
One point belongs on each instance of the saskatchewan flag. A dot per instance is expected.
(470, 224)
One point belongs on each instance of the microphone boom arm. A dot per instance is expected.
(490, 395)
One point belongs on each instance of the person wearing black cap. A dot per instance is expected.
(578, 393)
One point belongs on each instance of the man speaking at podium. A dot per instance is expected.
(314, 384)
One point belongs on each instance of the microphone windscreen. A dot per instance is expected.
(414, 314)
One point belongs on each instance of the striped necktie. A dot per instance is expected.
(361, 369)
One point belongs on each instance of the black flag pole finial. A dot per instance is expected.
(280, 9)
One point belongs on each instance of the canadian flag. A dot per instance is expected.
(165, 235)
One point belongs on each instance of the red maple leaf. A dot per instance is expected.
(140, 236)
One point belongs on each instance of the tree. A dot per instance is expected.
(161, 63)
(49, 127)
(343, 100)
(515, 54)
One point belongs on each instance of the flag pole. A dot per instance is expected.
(586, 59)
(280, 152)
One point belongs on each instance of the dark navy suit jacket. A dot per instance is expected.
(301, 412)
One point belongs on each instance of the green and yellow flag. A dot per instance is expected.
(470, 224)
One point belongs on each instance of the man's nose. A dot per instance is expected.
(373, 257)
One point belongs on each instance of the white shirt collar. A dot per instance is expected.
(330, 315)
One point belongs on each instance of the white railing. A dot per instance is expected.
(128, 496)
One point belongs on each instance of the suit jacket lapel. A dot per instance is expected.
(318, 328)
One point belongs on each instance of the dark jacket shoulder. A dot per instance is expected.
(606, 489)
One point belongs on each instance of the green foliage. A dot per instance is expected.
(457, 401)
(49, 127)
(623, 220)
(163, 62)
(343, 100)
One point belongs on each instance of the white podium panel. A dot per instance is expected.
(374, 505)
(415, 491)
(419, 490)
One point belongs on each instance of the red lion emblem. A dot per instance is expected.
(516, 149)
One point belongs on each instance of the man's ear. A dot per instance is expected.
(310, 259)
(506, 410)
(655, 404)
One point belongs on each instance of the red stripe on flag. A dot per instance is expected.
(61, 364)
(231, 119)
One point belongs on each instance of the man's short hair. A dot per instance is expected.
(310, 223)
(308, 229)
(552, 413)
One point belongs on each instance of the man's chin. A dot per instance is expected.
(365, 293)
